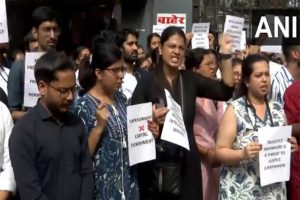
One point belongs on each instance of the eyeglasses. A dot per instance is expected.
(64, 91)
(118, 71)
(47, 30)
(210, 64)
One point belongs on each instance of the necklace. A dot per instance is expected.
(249, 104)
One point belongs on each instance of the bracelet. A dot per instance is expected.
(225, 56)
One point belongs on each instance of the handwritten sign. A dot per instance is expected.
(234, 26)
(3, 23)
(174, 130)
(31, 92)
(275, 156)
(172, 19)
(200, 40)
(141, 142)
(199, 28)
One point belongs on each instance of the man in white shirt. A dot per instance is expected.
(127, 41)
(7, 180)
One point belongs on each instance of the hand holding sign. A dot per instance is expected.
(225, 41)
(294, 145)
(153, 127)
(159, 114)
(251, 150)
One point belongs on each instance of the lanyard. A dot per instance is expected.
(247, 103)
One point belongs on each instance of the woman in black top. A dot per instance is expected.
(175, 174)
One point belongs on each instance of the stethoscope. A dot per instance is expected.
(249, 104)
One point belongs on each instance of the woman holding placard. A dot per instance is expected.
(237, 147)
(176, 172)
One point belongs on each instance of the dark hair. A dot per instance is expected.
(236, 61)
(46, 67)
(289, 43)
(213, 51)
(247, 70)
(194, 57)
(104, 55)
(169, 32)
(43, 14)
(140, 47)
(78, 51)
(122, 35)
(287, 47)
(216, 41)
(149, 39)
(27, 39)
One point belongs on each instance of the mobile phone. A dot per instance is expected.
(160, 103)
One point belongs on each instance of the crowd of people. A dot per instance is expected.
(73, 144)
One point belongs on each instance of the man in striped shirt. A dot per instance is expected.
(286, 75)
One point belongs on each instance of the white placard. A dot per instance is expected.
(200, 40)
(3, 23)
(234, 26)
(31, 92)
(275, 156)
(243, 41)
(159, 28)
(141, 143)
(271, 48)
(200, 28)
(174, 130)
(172, 19)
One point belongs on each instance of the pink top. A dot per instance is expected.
(206, 123)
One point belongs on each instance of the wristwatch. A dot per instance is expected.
(225, 56)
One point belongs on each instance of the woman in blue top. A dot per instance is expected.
(103, 111)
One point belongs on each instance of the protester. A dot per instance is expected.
(7, 180)
(45, 30)
(48, 146)
(237, 72)
(127, 41)
(237, 146)
(141, 53)
(179, 168)
(30, 43)
(292, 107)
(153, 41)
(288, 73)
(81, 53)
(4, 73)
(207, 116)
(103, 111)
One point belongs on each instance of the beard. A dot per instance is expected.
(128, 58)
